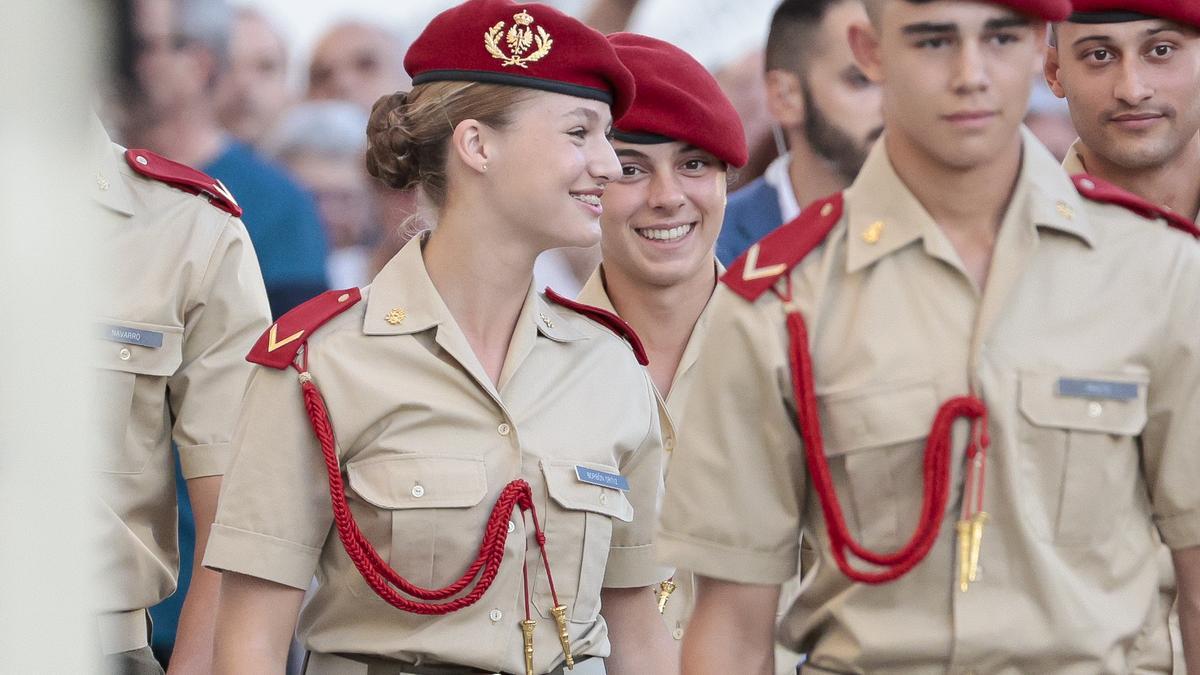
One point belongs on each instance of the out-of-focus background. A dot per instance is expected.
(272, 97)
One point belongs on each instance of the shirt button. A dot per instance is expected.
(1094, 409)
(670, 444)
(124, 354)
(418, 491)
(512, 527)
(503, 429)
(495, 615)
(677, 633)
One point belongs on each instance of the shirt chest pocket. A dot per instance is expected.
(1078, 452)
(132, 367)
(875, 441)
(578, 526)
(419, 511)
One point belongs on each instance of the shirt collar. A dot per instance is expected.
(1073, 164)
(403, 300)
(107, 182)
(884, 216)
(778, 176)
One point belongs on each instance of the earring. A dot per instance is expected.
(485, 166)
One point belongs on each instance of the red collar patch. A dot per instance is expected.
(777, 253)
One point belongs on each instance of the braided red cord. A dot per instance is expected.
(378, 575)
(936, 470)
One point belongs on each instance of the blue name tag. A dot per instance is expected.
(132, 336)
(1113, 391)
(609, 480)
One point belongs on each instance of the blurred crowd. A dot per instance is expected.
(209, 84)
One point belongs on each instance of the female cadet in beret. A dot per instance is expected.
(660, 224)
(492, 458)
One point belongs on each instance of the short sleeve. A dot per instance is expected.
(734, 496)
(223, 318)
(1171, 438)
(631, 559)
(274, 513)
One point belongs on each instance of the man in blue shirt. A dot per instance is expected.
(182, 53)
(828, 113)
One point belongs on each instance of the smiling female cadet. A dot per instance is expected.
(493, 459)
(660, 225)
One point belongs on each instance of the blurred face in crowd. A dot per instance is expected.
(831, 102)
(1133, 88)
(548, 169)
(254, 92)
(342, 192)
(662, 216)
(357, 63)
(955, 76)
(170, 73)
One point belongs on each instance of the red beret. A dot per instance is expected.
(1120, 11)
(677, 100)
(523, 45)
(1050, 10)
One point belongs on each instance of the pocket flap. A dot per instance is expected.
(565, 488)
(1044, 406)
(419, 481)
(858, 420)
(149, 349)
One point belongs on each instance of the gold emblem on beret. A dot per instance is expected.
(519, 39)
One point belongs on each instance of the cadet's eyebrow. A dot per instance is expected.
(588, 113)
(1092, 38)
(925, 28)
(1006, 22)
(630, 152)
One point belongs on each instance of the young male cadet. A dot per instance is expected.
(958, 382)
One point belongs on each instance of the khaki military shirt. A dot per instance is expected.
(427, 443)
(681, 602)
(1165, 621)
(1079, 292)
(182, 304)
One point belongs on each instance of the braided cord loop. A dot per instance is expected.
(936, 466)
(376, 572)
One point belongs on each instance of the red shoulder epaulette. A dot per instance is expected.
(609, 320)
(182, 177)
(1100, 191)
(776, 254)
(278, 346)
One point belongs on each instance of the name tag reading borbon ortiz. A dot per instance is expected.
(132, 336)
(1106, 389)
(609, 480)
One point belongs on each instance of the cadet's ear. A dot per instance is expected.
(470, 144)
(1050, 68)
(785, 99)
(864, 42)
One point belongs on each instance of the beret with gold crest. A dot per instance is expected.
(677, 100)
(1120, 11)
(523, 45)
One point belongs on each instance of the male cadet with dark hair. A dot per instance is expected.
(182, 301)
(827, 112)
(1130, 71)
(969, 380)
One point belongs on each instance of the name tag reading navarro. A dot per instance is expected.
(132, 336)
(1113, 391)
(609, 480)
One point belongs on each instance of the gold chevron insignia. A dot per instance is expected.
(752, 271)
(273, 344)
